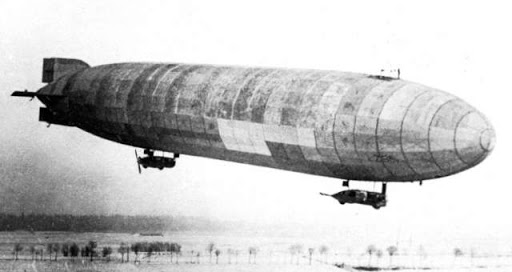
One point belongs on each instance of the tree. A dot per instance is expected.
(52, 248)
(169, 248)
(176, 250)
(55, 249)
(210, 248)
(192, 255)
(422, 253)
(237, 252)
(92, 249)
(252, 252)
(149, 250)
(217, 253)
(295, 251)
(299, 252)
(74, 249)
(472, 255)
(32, 251)
(230, 253)
(379, 254)
(136, 248)
(127, 254)
(310, 252)
(37, 252)
(198, 256)
(370, 250)
(49, 249)
(457, 252)
(392, 250)
(16, 250)
(106, 252)
(323, 251)
(122, 250)
(65, 249)
(41, 252)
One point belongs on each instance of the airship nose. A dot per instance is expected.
(488, 139)
(439, 134)
(460, 136)
(474, 138)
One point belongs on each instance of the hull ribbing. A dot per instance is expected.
(327, 123)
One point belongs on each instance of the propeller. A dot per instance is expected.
(138, 161)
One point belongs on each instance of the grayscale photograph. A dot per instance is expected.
(254, 136)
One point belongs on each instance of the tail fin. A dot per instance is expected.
(53, 68)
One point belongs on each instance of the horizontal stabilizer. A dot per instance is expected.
(34, 94)
(24, 94)
(45, 98)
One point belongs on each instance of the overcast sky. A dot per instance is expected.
(462, 48)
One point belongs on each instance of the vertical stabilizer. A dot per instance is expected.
(54, 68)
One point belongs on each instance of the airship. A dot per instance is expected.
(350, 126)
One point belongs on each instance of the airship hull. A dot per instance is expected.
(327, 123)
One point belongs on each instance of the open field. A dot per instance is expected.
(273, 254)
(117, 267)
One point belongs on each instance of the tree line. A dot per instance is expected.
(146, 250)
(90, 251)
(139, 251)
(103, 223)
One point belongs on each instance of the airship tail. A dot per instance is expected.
(54, 68)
